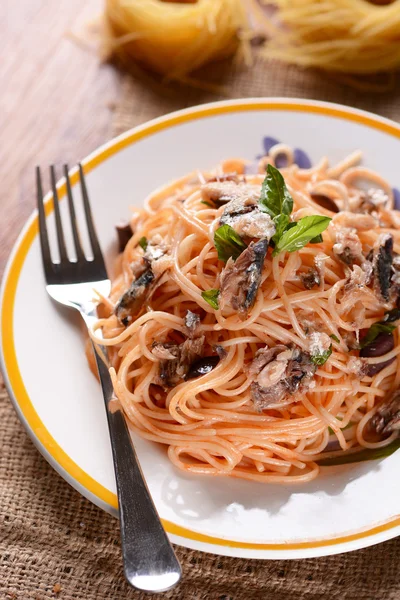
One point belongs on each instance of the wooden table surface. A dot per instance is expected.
(56, 100)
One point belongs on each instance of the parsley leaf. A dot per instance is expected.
(335, 338)
(320, 359)
(207, 203)
(374, 331)
(275, 198)
(228, 243)
(211, 296)
(143, 243)
(298, 236)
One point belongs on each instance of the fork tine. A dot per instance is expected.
(97, 254)
(60, 233)
(75, 232)
(44, 238)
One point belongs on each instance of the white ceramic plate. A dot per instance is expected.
(59, 401)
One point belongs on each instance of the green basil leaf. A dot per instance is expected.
(320, 359)
(281, 223)
(228, 243)
(211, 296)
(292, 224)
(305, 230)
(207, 203)
(361, 455)
(143, 243)
(317, 240)
(334, 337)
(275, 198)
(374, 331)
(392, 315)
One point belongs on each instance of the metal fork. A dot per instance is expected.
(150, 563)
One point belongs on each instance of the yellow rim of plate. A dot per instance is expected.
(10, 287)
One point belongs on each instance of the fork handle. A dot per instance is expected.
(149, 560)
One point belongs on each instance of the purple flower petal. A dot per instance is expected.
(301, 159)
(268, 142)
(396, 196)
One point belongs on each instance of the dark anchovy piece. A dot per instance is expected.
(265, 397)
(325, 202)
(220, 192)
(371, 200)
(383, 260)
(229, 191)
(300, 367)
(165, 351)
(168, 376)
(220, 200)
(240, 280)
(192, 321)
(347, 256)
(202, 366)
(254, 271)
(294, 373)
(189, 351)
(311, 278)
(220, 350)
(132, 300)
(348, 247)
(124, 233)
(235, 208)
(387, 419)
(263, 357)
(381, 345)
(172, 371)
(168, 354)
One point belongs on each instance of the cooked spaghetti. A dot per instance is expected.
(251, 326)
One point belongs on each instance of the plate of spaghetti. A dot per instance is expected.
(252, 328)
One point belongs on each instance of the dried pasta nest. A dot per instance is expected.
(174, 37)
(346, 36)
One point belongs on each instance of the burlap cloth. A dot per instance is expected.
(54, 543)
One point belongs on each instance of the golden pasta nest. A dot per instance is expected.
(346, 36)
(174, 38)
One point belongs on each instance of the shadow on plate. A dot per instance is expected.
(235, 495)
